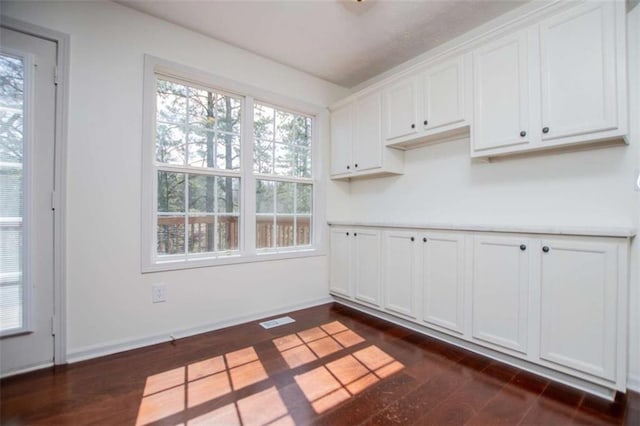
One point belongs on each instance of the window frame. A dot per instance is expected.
(28, 61)
(247, 252)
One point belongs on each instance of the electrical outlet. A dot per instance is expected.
(158, 293)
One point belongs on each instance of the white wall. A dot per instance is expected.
(108, 299)
(593, 187)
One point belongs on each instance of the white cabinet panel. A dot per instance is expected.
(578, 71)
(501, 94)
(500, 291)
(400, 110)
(341, 140)
(357, 148)
(444, 94)
(368, 144)
(367, 265)
(400, 272)
(443, 281)
(578, 306)
(340, 262)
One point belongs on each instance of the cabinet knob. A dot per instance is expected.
(348, 167)
(426, 122)
(545, 249)
(413, 126)
(424, 240)
(523, 133)
(523, 247)
(355, 234)
(355, 165)
(545, 130)
(413, 239)
(347, 234)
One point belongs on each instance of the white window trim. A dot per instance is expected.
(248, 252)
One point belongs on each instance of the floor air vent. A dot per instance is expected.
(276, 322)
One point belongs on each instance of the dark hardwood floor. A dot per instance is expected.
(333, 366)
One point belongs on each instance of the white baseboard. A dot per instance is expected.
(633, 382)
(108, 348)
(27, 369)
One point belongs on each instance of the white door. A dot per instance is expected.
(27, 120)
(501, 94)
(578, 66)
(443, 281)
(401, 109)
(500, 291)
(340, 267)
(368, 143)
(341, 140)
(444, 94)
(578, 306)
(400, 272)
(367, 265)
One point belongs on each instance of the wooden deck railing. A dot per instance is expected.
(171, 234)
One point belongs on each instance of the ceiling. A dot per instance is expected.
(344, 42)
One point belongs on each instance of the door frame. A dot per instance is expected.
(58, 198)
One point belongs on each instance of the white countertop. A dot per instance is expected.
(596, 231)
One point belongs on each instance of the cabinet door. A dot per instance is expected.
(578, 64)
(400, 109)
(368, 143)
(443, 281)
(578, 306)
(500, 291)
(400, 272)
(340, 262)
(367, 265)
(443, 94)
(501, 94)
(341, 140)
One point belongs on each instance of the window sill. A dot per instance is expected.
(233, 259)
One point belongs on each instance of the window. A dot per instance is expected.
(229, 172)
(198, 134)
(284, 187)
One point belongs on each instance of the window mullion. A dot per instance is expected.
(187, 234)
(248, 182)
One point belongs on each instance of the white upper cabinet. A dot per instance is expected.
(559, 83)
(401, 109)
(430, 105)
(443, 94)
(501, 94)
(357, 147)
(341, 140)
(578, 71)
(367, 147)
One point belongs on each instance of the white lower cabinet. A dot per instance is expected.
(340, 262)
(556, 301)
(400, 272)
(500, 291)
(578, 306)
(366, 260)
(442, 281)
(355, 264)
